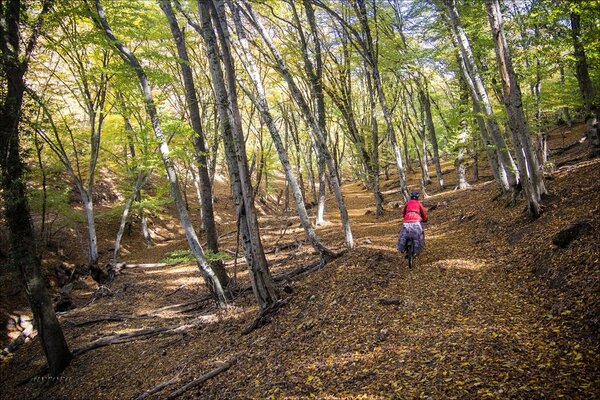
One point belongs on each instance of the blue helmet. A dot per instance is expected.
(414, 195)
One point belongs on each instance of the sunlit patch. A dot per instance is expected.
(170, 270)
(19, 329)
(459, 263)
(185, 281)
(429, 236)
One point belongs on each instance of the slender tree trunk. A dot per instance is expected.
(314, 71)
(88, 206)
(196, 182)
(263, 106)
(426, 104)
(129, 58)
(141, 179)
(461, 168)
(492, 155)
(145, 231)
(318, 134)
(291, 124)
(529, 168)
(586, 87)
(16, 206)
(361, 12)
(225, 87)
(403, 130)
(568, 119)
(208, 218)
(375, 167)
(138, 194)
(480, 96)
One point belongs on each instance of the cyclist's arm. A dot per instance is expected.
(423, 213)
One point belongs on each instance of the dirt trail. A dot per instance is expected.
(471, 320)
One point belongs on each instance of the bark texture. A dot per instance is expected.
(17, 213)
(129, 58)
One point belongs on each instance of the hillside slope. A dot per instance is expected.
(492, 309)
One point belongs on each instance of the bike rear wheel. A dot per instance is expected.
(410, 253)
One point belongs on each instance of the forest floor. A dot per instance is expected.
(491, 309)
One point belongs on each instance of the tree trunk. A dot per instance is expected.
(317, 133)
(426, 104)
(291, 124)
(479, 94)
(529, 168)
(141, 179)
(233, 138)
(492, 155)
(461, 168)
(129, 58)
(314, 71)
(375, 167)
(369, 49)
(263, 106)
(581, 66)
(16, 206)
(567, 115)
(208, 218)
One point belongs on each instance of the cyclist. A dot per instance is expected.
(413, 214)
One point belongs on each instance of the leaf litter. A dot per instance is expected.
(492, 310)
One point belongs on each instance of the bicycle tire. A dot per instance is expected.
(410, 252)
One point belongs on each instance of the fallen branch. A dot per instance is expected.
(196, 382)
(156, 389)
(102, 319)
(146, 266)
(137, 335)
(120, 338)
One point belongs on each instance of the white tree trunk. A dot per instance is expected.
(314, 127)
(480, 96)
(263, 106)
(529, 167)
(195, 247)
(141, 179)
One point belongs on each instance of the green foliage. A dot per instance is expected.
(178, 256)
(57, 203)
(185, 255)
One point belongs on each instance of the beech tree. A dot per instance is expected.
(205, 185)
(530, 172)
(129, 58)
(507, 177)
(318, 134)
(261, 102)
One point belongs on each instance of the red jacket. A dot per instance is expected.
(414, 211)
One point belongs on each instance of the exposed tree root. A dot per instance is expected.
(264, 317)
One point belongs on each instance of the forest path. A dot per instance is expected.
(464, 323)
